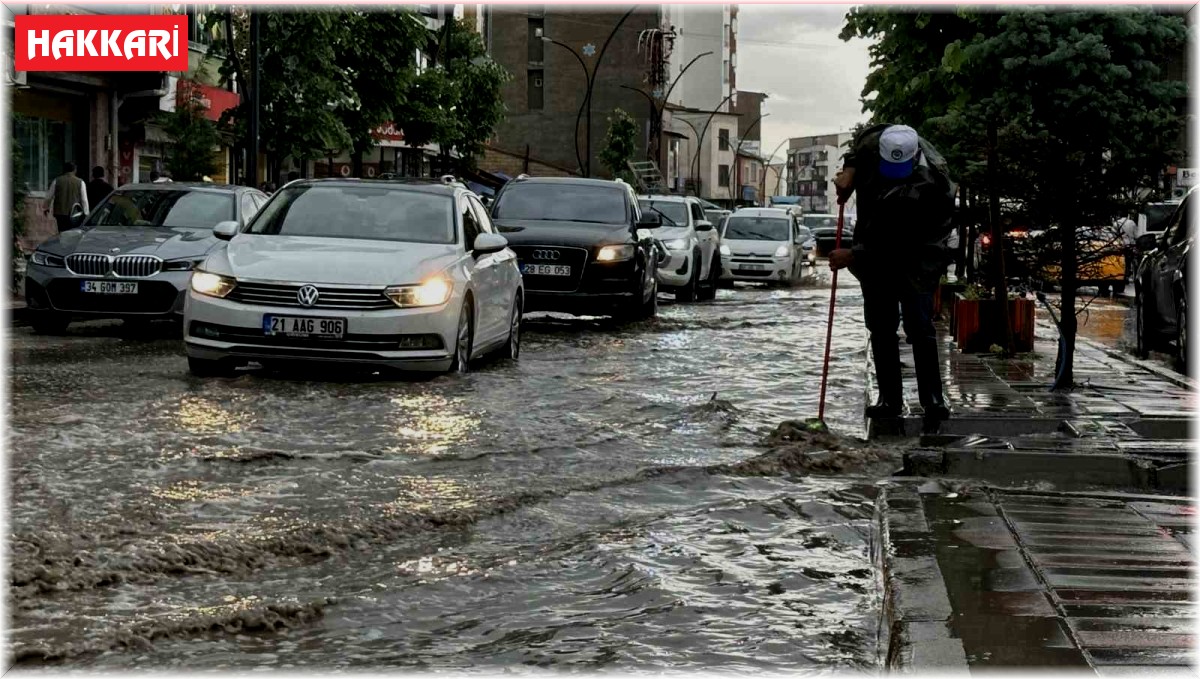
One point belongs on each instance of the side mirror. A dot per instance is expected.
(1147, 242)
(703, 225)
(650, 220)
(487, 243)
(77, 215)
(226, 230)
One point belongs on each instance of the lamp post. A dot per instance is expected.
(779, 180)
(591, 83)
(700, 134)
(582, 104)
(656, 110)
(738, 150)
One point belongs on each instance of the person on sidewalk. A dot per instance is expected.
(98, 189)
(899, 253)
(65, 192)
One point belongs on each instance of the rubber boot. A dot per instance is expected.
(886, 351)
(929, 382)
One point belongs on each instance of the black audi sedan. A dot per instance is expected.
(578, 245)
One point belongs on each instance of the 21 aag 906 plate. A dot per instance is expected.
(304, 326)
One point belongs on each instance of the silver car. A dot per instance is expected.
(132, 257)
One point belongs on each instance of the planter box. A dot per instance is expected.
(943, 300)
(975, 328)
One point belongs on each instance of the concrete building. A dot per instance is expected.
(700, 29)
(546, 50)
(812, 163)
(704, 168)
(748, 105)
(773, 184)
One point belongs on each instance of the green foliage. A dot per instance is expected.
(18, 192)
(620, 144)
(192, 153)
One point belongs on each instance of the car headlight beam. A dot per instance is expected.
(677, 244)
(725, 250)
(782, 251)
(211, 284)
(615, 253)
(46, 259)
(432, 292)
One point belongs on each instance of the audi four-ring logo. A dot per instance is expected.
(546, 254)
(307, 295)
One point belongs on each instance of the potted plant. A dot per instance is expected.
(975, 324)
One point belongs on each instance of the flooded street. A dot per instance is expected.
(582, 509)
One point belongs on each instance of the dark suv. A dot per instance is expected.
(1162, 284)
(578, 246)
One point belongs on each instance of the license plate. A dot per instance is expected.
(109, 287)
(304, 326)
(546, 269)
(753, 267)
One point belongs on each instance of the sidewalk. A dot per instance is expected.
(1042, 529)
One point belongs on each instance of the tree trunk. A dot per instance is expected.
(999, 277)
(1069, 325)
(963, 218)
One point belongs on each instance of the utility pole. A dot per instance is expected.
(255, 87)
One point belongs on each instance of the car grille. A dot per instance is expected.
(751, 259)
(272, 294)
(152, 297)
(124, 266)
(226, 333)
(576, 258)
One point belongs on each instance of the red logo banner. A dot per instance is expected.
(52, 42)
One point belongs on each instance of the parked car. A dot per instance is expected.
(1161, 295)
(824, 229)
(765, 245)
(404, 275)
(693, 268)
(578, 245)
(132, 257)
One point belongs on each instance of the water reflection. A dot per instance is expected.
(199, 414)
(431, 424)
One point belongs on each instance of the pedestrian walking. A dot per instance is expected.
(98, 189)
(899, 253)
(65, 192)
(1127, 233)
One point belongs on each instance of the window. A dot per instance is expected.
(723, 139)
(45, 146)
(697, 212)
(164, 207)
(369, 212)
(537, 47)
(536, 93)
(555, 201)
(725, 34)
(202, 28)
(249, 207)
(723, 175)
(481, 215)
(725, 73)
(470, 224)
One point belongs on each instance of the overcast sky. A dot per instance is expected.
(815, 81)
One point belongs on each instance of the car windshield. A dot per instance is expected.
(756, 228)
(715, 216)
(673, 211)
(151, 207)
(820, 221)
(370, 212)
(562, 202)
(1158, 215)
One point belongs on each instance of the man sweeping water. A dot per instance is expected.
(899, 253)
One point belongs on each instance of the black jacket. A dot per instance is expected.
(97, 190)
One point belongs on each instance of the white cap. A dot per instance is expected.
(898, 146)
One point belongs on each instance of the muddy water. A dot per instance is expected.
(606, 503)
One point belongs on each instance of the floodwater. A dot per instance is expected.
(607, 503)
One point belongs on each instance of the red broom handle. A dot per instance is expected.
(829, 326)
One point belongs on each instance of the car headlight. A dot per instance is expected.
(46, 259)
(182, 264)
(211, 284)
(432, 292)
(615, 253)
(725, 250)
(677, 244)
(783, 251)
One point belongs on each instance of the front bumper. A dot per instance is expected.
(222, 329)
(755, 269)
(581, 303)
(676, 270)
(57, 290)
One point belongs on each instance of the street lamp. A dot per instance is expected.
(591, 83)
(738, 150)
(779, 180)
(700, 135)
(582, 104)
(656, 110)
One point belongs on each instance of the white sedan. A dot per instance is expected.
(405, 275)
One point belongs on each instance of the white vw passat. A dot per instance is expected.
(396, 274)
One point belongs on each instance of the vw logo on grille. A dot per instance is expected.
(307, 295)
(546, 254)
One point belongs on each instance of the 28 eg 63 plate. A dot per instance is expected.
(304, 326)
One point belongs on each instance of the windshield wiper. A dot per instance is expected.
(673, 222)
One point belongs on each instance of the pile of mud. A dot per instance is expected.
(792, 449)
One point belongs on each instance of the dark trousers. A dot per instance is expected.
(64, 222)
(884, 305)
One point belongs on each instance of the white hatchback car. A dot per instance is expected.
(765, 245)
(692, 267)
(396, 274)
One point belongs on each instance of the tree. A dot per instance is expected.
(620, 144)
(194, 137)
(1065, 113)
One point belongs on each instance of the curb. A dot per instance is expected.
(1178, 379)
